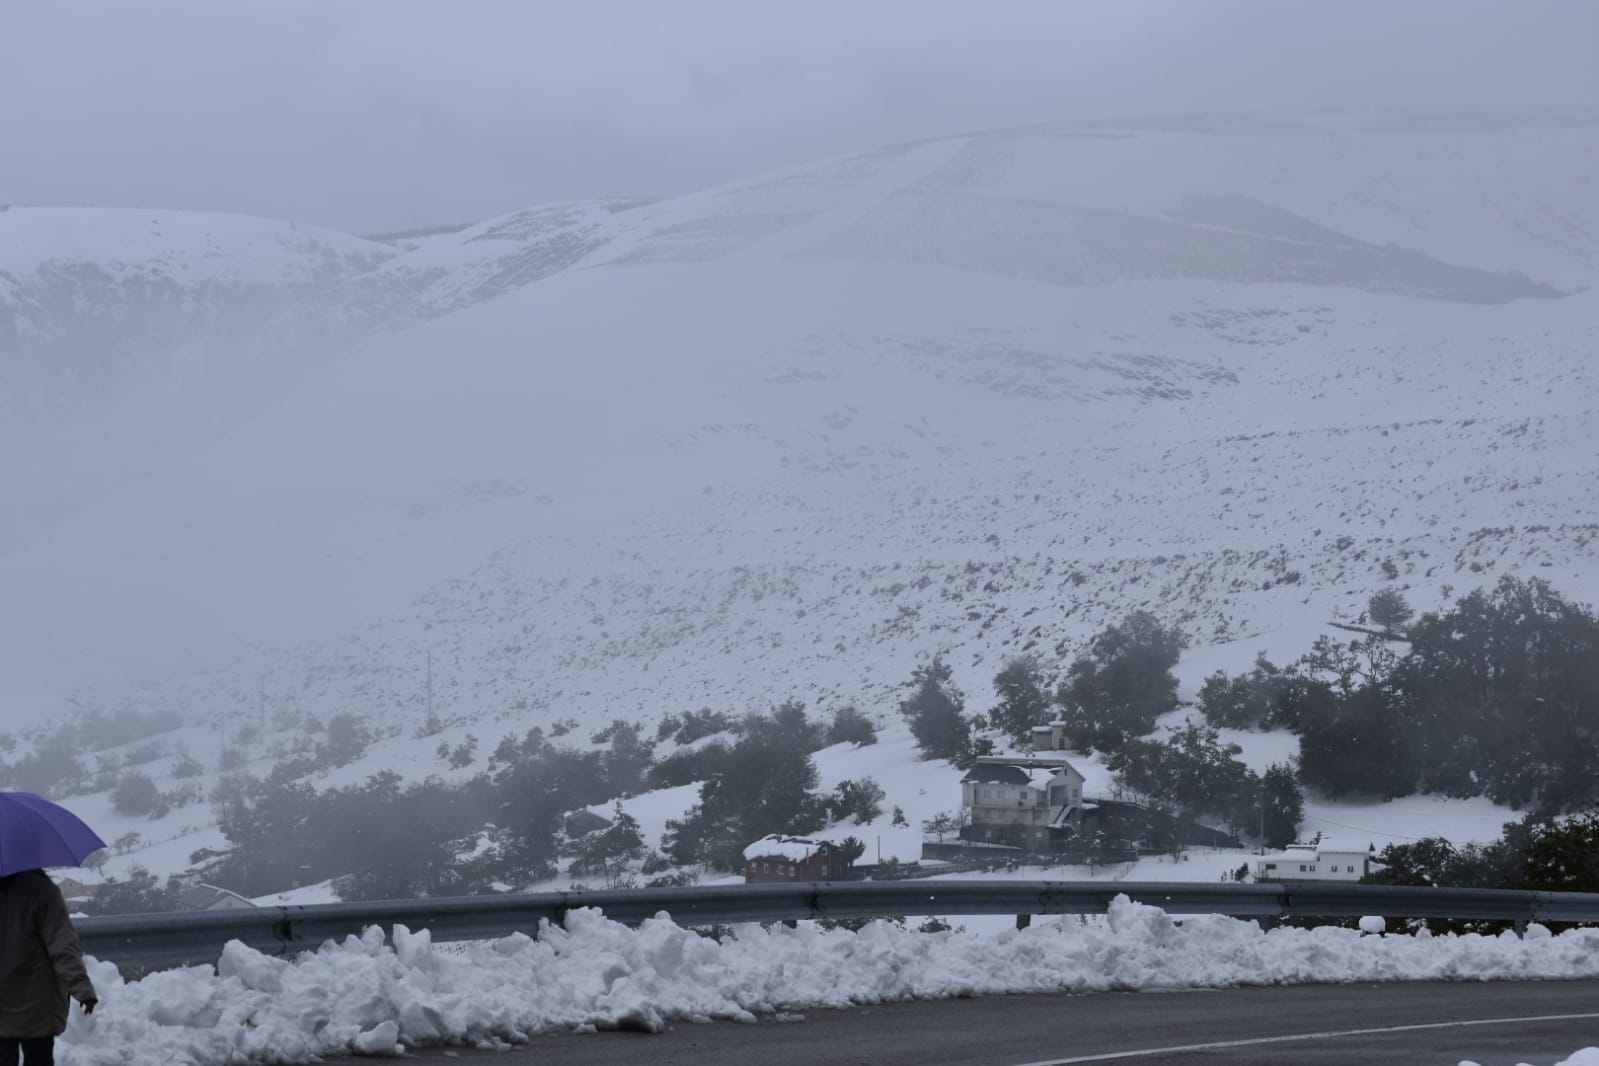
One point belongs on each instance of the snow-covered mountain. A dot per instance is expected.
(789, 437)
(130, 337)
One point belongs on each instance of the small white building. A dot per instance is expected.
(1051, 737)
(1323, 859)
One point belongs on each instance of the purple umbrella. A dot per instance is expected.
(35, 833)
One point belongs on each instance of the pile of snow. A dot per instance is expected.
(372, 997)
(1588, 1056)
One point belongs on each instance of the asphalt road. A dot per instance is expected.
(1412, 1023)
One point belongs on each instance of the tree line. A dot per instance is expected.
(1496, 696)
(506, 826)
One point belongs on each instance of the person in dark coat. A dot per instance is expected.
(41, 965)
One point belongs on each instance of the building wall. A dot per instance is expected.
(986, 815)
(1034, 836)
(1330, 867)
(824, 865)
(988, 794)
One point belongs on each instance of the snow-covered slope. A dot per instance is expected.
(789, 437)
(128, 337)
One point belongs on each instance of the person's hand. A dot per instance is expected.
(89, 1003)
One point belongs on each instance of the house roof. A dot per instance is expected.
(1316, 852)
(585, 817)
(201, 896)
(777, 846)
(81, 874)
(1343, 846)
(994, 773)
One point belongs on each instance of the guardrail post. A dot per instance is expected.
(1023, 921)
(283, 929)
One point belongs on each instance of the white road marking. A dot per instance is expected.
(1177, 1049)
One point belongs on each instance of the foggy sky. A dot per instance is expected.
(385, 114)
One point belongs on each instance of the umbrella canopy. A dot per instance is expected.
(35, 833)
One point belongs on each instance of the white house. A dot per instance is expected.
(1026, 801)
(1323, 859)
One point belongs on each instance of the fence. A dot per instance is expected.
(155, 940)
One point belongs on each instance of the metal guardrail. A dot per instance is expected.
(156, 940)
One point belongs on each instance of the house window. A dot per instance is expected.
(1351, 869)
(1301, 867)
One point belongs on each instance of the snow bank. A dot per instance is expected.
(370, 996)
(1588, 1056)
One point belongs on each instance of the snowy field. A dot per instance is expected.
(596, 974)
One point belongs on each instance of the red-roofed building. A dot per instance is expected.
(783, 858)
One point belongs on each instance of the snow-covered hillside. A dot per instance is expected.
(130, 337)
(789, 438)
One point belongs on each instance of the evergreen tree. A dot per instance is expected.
(1123, 684)
(860, 798)
(1388, 608)
(1191, 773)
(392, 841)
(763, 785)
(347, 737)
(141, 892)
(1282, 806)
(850, 726)
(1561, 854)
(1504, 696)
(1024, 701)
(851, 849)
(135, 794)
(1354, 744)
(610, 853)
(626, 765)
(1256, 700)
(935, 712)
